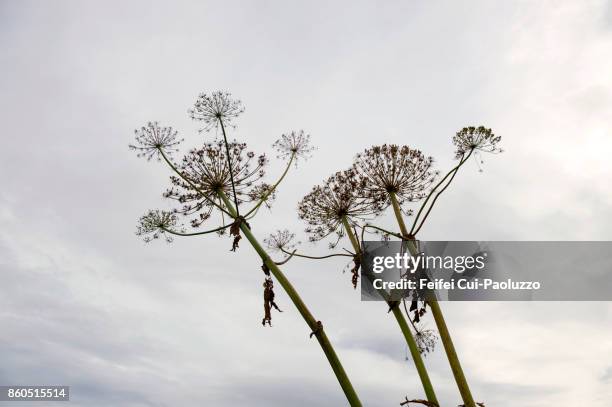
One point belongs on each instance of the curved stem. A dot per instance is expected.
(451, 354)
(452, 172)
(315, 326)
(364, 227)
(229, 162)
(205, 232)
(191, 184)
(440, 193)
(294, 253)
(401, 321)
(273, 188)
(280, 263)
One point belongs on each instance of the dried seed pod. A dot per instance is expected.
(152, 140)
(294, 144)
(326, 205)
(215, 109)
(156, 224)
(208, 172)
(478, 139)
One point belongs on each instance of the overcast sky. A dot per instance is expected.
(84, 302)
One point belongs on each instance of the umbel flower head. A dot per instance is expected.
(208, 172)
(215, 109)
(281, 240)
(294, 144)
(152, 140)
(339, 197)
(386, 169)
(426, 341)
(263, 192)
(155, 224)
(476, 139)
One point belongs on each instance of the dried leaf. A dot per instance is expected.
(418, 401)
(269, 302)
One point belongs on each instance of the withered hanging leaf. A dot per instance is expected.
(268, 302)
(265, 269)
(413, 305)
(355, 270)
(235, 231)
(235, 243)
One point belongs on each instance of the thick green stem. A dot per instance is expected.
(401, 321)
(398, 213)
(416, 355)
(451, 354)
(449, 347)
(315, 326)
(445, 337)
(351, 235)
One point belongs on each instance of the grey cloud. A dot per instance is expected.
(82, 300)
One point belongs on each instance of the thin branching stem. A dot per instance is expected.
(229, 162)
(271, 189)
(451, 173)
(205, 232)
(294, 253)
(366, 226)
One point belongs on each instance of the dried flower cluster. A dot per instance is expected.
(152, 140)
(281, 240)
(208, 172)
(155, 224)
(477, 139)
(215, 109)
(338, 198)
(426, 341)
(294, 144)
(263, 192)
(386, 169)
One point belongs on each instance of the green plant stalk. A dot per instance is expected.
(401, 321)
(397, 210)
(313, 324)
(445, 336)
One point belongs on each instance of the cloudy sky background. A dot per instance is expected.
(84, 302)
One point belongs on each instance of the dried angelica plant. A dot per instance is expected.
(215, 182)
(344, 202)
(469, 141)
